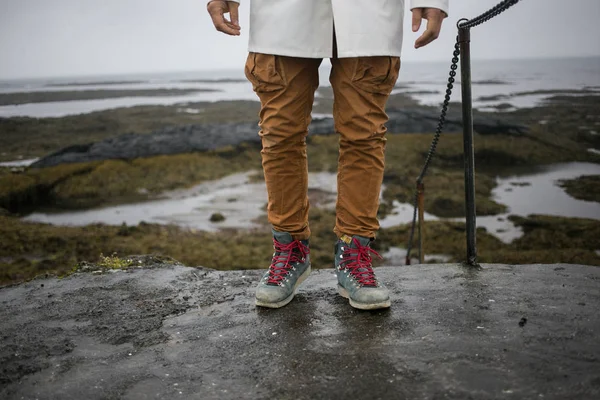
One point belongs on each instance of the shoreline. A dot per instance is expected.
(52, 99)
(25, 98)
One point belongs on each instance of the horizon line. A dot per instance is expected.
(109, 74)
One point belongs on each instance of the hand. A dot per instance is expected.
(217, 10)
(434, 19)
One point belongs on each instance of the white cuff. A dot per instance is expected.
(439, 4)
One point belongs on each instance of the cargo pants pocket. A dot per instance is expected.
(376, 74)
(265, 72)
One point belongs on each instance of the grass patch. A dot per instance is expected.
(583, 188)
(546, 239)
(85, 185)
(31, 249)
(36, 137)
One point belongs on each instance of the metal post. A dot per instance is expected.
(464, 38)
(421, 203)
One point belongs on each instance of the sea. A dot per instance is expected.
(510, 83)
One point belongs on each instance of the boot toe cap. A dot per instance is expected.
(271, 294)
(371, 295)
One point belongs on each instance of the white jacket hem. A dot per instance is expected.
(325, 53)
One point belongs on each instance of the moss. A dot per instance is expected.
(23, 191)
(30, 249)
(217, 217)
(546, 240)
(86, 185)
(441, 237)
(444, 192)
(58, 249)
(114, 262)
(549, 232)
(583, 188)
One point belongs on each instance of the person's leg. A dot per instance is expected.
(361, 87)
(286, 87)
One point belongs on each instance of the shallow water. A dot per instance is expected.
(397, 256)
(523, 194)
(242, 202)
(402, 213)
(228, 91)
(539, 193)
(18, 163)
(238, 200)
(235, 197)
(490, 78)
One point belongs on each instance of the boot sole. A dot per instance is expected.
(286, 301)
(362, 306)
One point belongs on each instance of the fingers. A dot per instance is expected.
(234, 13)
(217, 10)
(434, 26)
(417, 16)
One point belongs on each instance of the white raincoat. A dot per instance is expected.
(304, 28)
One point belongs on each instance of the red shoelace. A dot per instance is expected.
(359, 262)
(285, 255)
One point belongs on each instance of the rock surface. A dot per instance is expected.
(186, 139)
(504, 332)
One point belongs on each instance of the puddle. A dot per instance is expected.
(397, 256)
(240, 202)
(539, 193)
(594, 151)
(233, 196)
(544, 196)
(536, 193)
(18, 163)
(402, 213)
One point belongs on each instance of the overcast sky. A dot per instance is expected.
(46, 38)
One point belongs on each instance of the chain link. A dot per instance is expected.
(486, 16)
(467, 24)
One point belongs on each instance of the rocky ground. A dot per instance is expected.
(162, 330)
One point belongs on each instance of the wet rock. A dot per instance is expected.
(425, 120)
(152, 333)
(191, 138)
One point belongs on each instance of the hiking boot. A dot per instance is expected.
(356, 279)
(289, 268)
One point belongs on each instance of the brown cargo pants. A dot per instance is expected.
(286, 88)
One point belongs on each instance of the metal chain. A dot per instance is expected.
(467, 24)
(486, 16)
